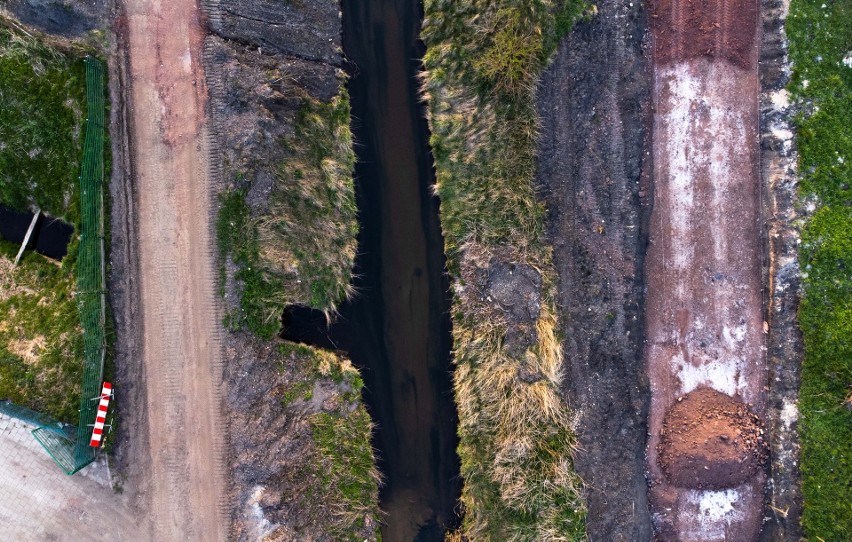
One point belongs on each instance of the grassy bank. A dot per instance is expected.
(298, 247)
(483, 61)
(302, 249)
(43, 96)
(41, 130)
(340, 479)
(820, 42)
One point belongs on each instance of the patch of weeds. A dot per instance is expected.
(303, 248)
(348, 466)
(820, 41)
(41, 342)
(345, 478)
(483, 60)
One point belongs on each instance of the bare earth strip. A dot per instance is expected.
(704, 305)
(181, 349)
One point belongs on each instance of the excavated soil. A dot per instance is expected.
(721, 29)
(705, 261)
(710, 441)
(594, 105)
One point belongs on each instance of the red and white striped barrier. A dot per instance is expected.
(98, 432)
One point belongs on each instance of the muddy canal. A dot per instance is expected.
(50, 236)
(397, 329)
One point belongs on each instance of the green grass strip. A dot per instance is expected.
(820, 33)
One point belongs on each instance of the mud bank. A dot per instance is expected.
(594, 102)
(783, 506)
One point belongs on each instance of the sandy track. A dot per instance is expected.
(180, 343)
(704, 306)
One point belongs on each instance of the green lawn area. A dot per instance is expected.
(43, 97)
(820, 33)
(42, 91)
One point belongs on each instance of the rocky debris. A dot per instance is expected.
(710, 441)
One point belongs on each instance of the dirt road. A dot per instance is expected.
(704, 308)
(181, 352)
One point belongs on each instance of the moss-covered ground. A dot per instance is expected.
(42, 92)
(820, 33)
(483, 61)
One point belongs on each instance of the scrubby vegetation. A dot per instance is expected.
(301, 250)
(821, 52)
(483, 61)
(298, 246)
(344, 480)
(41, 343)
(42, 90)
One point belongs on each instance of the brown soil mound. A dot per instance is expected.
(685, 29)
(710, 441)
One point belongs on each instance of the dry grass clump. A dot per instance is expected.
(483, 59)
(301, 249)
(310, 229)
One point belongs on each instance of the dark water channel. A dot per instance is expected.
(50, 236)
(397, 329)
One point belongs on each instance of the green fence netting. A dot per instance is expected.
(68, 447)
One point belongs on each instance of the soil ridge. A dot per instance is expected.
(594, 102)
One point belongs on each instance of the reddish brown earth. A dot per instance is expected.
(181, 459)
(710, 441)
(704, 304)
(722, 29)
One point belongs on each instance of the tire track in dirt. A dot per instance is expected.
(704, 275)
(181, 350)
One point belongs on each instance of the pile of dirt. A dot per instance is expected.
(685, 29)
(710, 440)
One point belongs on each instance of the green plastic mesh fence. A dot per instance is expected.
(55, 437)
(67, 446)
